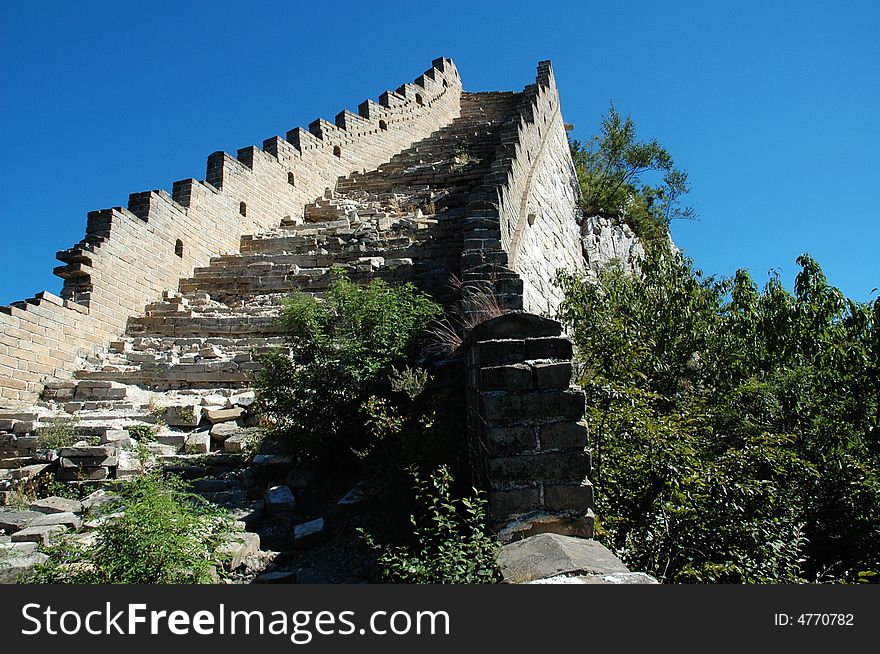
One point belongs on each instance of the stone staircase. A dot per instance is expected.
(185, 367)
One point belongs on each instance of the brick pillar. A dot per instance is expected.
(525, 428)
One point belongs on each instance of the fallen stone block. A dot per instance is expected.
(100, 498)
(28, 472)
(56, 504)
(223, 430)
(236, 443)
(188, 415)
(117, 437)
(129, 465)
(550, 555)
(15, 567)
(224, 415)
(87, 451)
(88, 462)
(198, 442)
(82, 474)
(308, 534)
(12, 520)
(243, 399)
(42, 535)
(279, 498)
(239, 547)
(67, 519)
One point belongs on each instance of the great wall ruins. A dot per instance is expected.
(168, 303)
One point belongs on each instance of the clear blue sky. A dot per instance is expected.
(773, 108)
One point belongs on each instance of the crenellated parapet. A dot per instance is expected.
(130, 255)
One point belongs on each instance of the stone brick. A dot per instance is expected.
(516, 377)
(512, 408)
(500, 352)
(552, 375)
(563, 435)
(548, 348)
(510, 440)
(577, 498)
(506, 503)
(543, 465)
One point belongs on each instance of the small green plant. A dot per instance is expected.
(186, 414)
(157, 533)
(142, 433)
(462, 160)
(157, 411)
(60, 432)
(449, 543)
(410, 381)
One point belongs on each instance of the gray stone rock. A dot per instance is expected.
(279, 498)
(100, 498)
(186, 415)
(237, 442)
(69, 520)
(198, 442)
(15, 565)
(42, 534)
(308, 534)
(223, 430)
(57, 504)
(550, 555)
(12, 520)
(224, 415)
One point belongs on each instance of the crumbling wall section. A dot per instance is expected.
(525, 430)
(130, 255)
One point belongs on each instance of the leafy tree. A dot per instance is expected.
(611, 168)
(735, 431)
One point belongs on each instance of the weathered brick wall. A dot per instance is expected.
(525, 428)
(524, 219)
(538, 201)
(129, 256)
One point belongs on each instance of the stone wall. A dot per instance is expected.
(525, 430)
(129, 256)
(524, 219)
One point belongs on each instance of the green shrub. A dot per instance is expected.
(165, 536)
(60, 432)
(735, 433)
(342, 351)
(448, 544)
(143, 433)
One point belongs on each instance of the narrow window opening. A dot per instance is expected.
(291, 179)
(445, 84)
(419, 99)
(178, 248)
(383, 125)
(242, 209)
(337, 151)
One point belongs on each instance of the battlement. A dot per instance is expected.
(129, 256)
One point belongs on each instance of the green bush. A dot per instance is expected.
(165, 536)
(735, 433)
(448, 543)
(342, 351)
